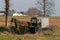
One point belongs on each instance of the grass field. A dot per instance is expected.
(4, 35)
(28, 37)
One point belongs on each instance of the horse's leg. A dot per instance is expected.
(18, 28)
(26, 26)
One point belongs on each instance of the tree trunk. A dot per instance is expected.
(6, 11)
(44, 8)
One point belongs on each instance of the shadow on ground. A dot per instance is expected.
(2, 29)
(9, 29)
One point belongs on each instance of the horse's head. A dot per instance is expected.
(13, 20)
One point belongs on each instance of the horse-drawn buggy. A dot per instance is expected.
(24, 26)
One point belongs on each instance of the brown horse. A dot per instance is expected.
(20, 24)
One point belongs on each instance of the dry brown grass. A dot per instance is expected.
(2, 19)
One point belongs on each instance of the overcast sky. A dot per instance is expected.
(23, 5)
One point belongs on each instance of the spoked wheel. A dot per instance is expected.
(38, 28)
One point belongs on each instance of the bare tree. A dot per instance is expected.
(7, 10)
(46, 6)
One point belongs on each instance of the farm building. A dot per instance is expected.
(18, 14)
(2, 13)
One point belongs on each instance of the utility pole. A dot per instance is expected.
(6, 11)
